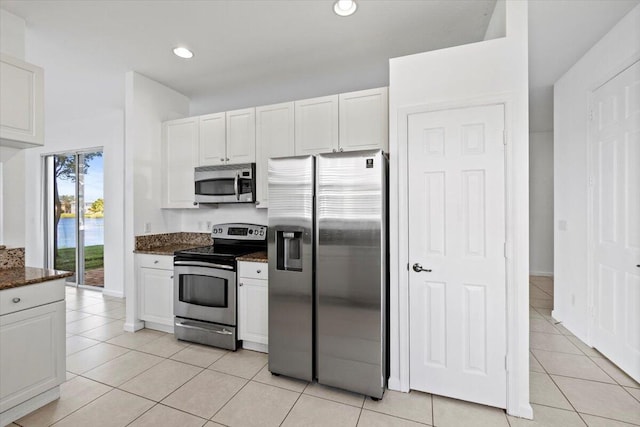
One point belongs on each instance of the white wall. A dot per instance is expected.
(498, 24)
(12, 34)
(616, 50)
(541, 203)
(147, 104)
(496, 68)
(12, 197)
(196, 219)
(12, 191)
(105, 131)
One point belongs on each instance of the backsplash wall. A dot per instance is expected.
(195, 220)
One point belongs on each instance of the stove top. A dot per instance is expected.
(221, 250)
(229, 241)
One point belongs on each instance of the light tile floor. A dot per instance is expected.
(148, 378)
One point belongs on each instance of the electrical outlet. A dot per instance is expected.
(209, 225)
(147, 227)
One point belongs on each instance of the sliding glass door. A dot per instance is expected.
(75, 216)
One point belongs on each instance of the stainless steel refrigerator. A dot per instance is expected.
(328, 281)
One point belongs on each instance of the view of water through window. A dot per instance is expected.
(78, 182)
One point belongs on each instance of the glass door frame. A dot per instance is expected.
(49, 212)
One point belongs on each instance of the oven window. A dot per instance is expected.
(216, 187)
(203, 290)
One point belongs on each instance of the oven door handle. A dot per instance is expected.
(215, 331)
(235, 186)
(202, 264)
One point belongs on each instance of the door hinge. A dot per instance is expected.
(504, 247)
(590, 115)
(504, 137)
(506, 362)
(407, 266)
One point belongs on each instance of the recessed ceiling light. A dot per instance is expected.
(183, 52)
(345, 7)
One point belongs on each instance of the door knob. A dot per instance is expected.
(418, 268)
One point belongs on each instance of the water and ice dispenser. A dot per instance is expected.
(289, 250)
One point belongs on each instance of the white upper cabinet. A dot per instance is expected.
(364, 120)
(316, 127)
(274, 138)
(241, 136)
(180, 157)
(21, 103)
(213, 139)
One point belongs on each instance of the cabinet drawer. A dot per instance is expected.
(253, 270)
(162, 262)
(29, 296)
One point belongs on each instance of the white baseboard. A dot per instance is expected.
(19, 411)
(394, 384)
(132, 327)
(524, 411)
(158, 327)
(541, 273)
(114, 294)
(255, 346)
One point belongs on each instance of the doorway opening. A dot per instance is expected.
(74, 203)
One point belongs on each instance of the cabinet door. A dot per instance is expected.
(179, 159)
(21, 103)
(364, 120)
(316, 125)
(213, 140)
(274, 138)
(241, 136)
(156, 295)
(32, 353)
(253, 309)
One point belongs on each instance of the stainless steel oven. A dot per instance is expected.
(205, 285)
(225, 183)
(206, 292)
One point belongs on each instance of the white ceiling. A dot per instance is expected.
(254, 52)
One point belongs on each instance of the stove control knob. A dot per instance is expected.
(250, 231)
(215, 230)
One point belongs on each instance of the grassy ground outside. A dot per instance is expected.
(93, 258)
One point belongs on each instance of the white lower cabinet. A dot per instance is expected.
(32, 348)
(155, 291)
(253, 305)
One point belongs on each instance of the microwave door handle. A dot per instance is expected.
(235, 186)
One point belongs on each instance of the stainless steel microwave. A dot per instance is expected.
(226, 183)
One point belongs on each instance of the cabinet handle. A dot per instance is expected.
(227, 159)
(195, 203)
(334, 150)
(341, 150)
(16, 300)
(222, 159)
(156, 261)
(258, 202)
(240, 284)
(258, 271)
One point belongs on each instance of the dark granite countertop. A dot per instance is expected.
(22, 276)
(254, 257)
(167, 249)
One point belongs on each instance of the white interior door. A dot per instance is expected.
(457, 234)
(615, 136)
